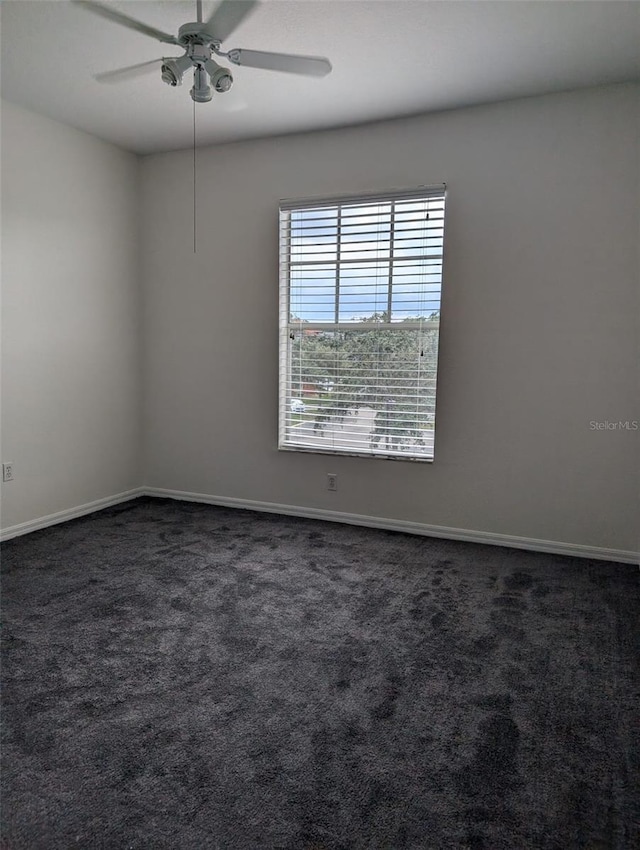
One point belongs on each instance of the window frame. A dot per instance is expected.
(287, 327)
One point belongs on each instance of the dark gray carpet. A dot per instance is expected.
(185, 676)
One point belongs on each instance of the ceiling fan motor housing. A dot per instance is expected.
(195, 33)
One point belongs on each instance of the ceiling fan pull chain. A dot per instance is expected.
(194, 177)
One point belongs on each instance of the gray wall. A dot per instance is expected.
(70, 318)
(539, 320)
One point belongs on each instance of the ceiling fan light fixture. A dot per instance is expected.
(201, 91)
(173, 70)
(221, 78)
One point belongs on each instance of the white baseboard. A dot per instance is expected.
(529, 543)
(470, 536)
(71, 513)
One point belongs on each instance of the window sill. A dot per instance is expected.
(341, 453)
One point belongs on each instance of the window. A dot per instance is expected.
(360, 282)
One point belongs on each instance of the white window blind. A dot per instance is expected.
(360, 283)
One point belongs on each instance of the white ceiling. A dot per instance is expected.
(390, 58)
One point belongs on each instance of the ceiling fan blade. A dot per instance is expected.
(228, 16)
(125, 20)
(128, 73)
(310, 66)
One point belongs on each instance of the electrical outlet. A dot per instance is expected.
(7, 471)
(332, 481)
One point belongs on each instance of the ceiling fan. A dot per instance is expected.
(201, 40)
